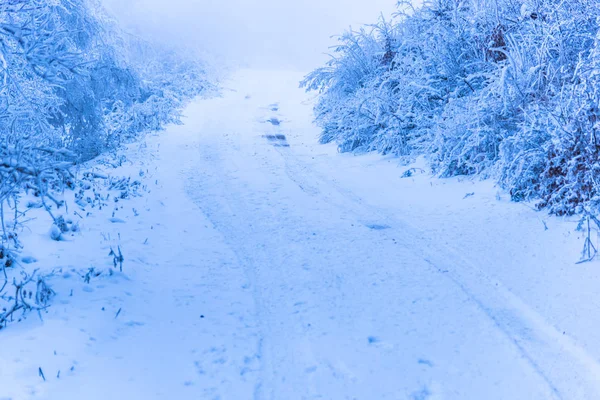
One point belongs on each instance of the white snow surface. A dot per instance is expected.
(260, 267)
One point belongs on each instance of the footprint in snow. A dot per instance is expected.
(274, 121)
(278, 140)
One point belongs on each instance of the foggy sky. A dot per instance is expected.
(263, 33)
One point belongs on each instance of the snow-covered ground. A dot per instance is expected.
(261, 265)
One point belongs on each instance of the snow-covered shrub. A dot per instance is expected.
(29, 292)
(36, 58)
(554, 153)
(347, 110)
(386, 88)
(501, 88)
(72, 86)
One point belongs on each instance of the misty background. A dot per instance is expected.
(256, 33)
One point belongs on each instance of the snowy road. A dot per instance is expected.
(349, 301)
(268, 278)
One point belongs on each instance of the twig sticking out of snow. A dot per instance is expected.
(589, 251)
(118, 258)
(23, 297)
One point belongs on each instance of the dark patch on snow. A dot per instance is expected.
(373, 339)
(274, 121)
(274, 107)
(275, 137)
(278, 140)
(425, 362)
(134, 323)
(378, 227)
(29, 260)
(422, 394)
(280, 137)
(412, 171)
(199, 369)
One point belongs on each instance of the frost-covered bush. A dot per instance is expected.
(73, 86)
(346, 110)
(387, 87)
(504, 88)
(554, 152)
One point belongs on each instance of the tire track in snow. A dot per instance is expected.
(209, 154)
(579, 377)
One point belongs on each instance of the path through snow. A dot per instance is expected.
(269, 275)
